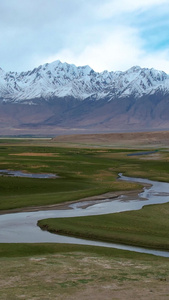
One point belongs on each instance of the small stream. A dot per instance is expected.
(22, 227)
(25, 174)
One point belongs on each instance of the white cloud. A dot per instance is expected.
(117, 50)
(158, 61)
(107, 34)
(108, 9)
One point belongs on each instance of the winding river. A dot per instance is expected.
(22, 227)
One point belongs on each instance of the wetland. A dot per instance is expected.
(84, 172)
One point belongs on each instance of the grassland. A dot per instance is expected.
(82, 172)
(117, 140)
(46, 271)
(51, 271)
(147, 227)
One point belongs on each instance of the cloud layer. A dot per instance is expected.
(109, 34)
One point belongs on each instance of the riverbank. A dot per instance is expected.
(129, 195)
(147, 227)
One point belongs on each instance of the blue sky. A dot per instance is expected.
(153, 26)
(107, 35)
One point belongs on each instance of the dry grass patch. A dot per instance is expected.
(156, 156)
(38, 166)
(82, 276)
(130, 139)
(35, 154)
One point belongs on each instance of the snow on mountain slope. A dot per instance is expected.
(61, 80)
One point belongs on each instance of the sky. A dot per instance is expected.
(104, 34)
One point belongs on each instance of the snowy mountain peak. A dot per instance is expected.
(59, 80)
(135, 69)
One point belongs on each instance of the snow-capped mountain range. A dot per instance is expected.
(62, 98)
(62, 80)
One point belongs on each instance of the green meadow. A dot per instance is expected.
(56, 271)
(147, 227)
(81, 172)
(85, 172)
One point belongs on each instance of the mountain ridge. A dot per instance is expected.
(60, 97)
(61, 80)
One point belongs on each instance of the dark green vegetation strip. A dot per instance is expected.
(27, 250)
(148, 227)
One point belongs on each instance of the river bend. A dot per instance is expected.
(22, 227)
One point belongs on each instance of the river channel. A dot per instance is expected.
(22, 227)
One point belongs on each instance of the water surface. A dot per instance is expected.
(24, 174)
(22, 227)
